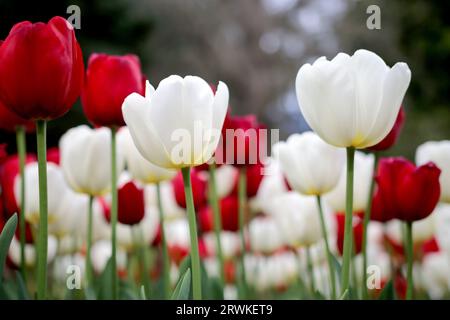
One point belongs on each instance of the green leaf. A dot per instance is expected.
(388, 292)
(22, 292)
(345, 295)
(142, 292)
(183, 287)
(105, 285)
(184, 265)
(5, 241)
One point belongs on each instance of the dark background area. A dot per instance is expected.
(257, 47)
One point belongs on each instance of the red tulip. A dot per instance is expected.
(357, 233)
(242, 141)
(109, 80)
(199, 186)
(9, 121)
(404, 191)
(131, 204)
(41, 67)
(229, 209)
(430, 246)
(53, 155)
(254, 174)
(392, 136)
(8, 173)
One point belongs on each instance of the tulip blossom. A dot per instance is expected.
(131, 205)
(352, 101)
(298, 218)
(42, 69)
(423, 230)
(311, 166)
(439, 153)
(259, 229)
(404, 191)
(178, 124)
(242, 142)
(57, 189)
(199, 187)
(227, 177)
(109, 80)
(362, 179)
(442, 213)
(230, 244)
(435, 270)
(229, 215)
(140, 168)
(392, 136)
(9, 171)
(85, 159)
(30, 252)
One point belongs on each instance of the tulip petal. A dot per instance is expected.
(136, 113)
(395, 85)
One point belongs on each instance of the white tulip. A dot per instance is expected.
(177, 233)
(56, 192)
(101, 253)
(439, 153)
(138, 167)
(311, 166)
(435, 271)
(30, 252)
(272, 185)
(86, 160)
(178, 124)
(352, 101)
(258, 230)
(226, 177)
(297, 217)
(363, 173)
(442, 216)
(230, 242)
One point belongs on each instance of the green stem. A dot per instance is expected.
(41, 134)
(348, 231)
(409, 252)
(327, 248)
(310, 271)
(242, 197)
(21, 150)
(89, 272)
(214, 203)
(115, 280)
(195, 256)
(367, 214)
(165, 252)
(143, 256)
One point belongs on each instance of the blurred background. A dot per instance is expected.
(257, 47)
